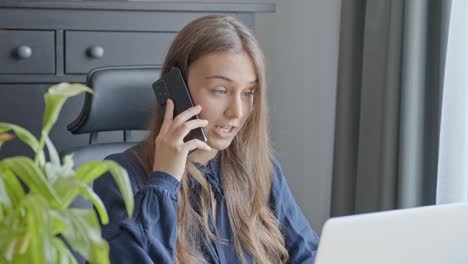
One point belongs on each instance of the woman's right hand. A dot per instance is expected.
(171, 151)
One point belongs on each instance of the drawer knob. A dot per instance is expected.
(23, 52)
(95, 52)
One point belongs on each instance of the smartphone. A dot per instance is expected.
(172, 86)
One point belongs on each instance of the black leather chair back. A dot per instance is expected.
(122, 100)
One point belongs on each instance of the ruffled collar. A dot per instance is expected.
(212, 174)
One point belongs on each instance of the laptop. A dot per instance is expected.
(425, 235)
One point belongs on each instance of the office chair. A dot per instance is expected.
(122, 100)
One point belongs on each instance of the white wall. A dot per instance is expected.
(300, 42)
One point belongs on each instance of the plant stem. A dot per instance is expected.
(39, 150)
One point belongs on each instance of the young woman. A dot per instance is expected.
(227, 201)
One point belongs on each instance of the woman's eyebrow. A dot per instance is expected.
(226, 78)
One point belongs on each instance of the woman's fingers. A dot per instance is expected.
(196, 144)
(175, 129)
(186, 115)
(171, 152)
(167, 120)
(186, 127)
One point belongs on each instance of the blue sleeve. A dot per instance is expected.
(301, 240)
(150, 235)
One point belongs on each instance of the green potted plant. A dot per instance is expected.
(34, 223)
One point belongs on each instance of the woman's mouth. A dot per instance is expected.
(224, 131)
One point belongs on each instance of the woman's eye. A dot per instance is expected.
(220, 91)
(249, 93)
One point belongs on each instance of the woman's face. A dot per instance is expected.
(224, 85)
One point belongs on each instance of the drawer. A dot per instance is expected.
(27, 52)
(86, 50)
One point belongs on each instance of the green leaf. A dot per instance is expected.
(21, 244)
(89, 194)
(25, 136)
(54, 100)
(14, 238)
(94, 169)
(121, 178)
(69, 189)
(4, 197)
(54, 104)
(57, 222)
(30, 174)
(21, 259)
(37, 228)
(22, 134)
(13, 186)
(69, 90)
(59, 171)
(3, 211)
(8, 243)
(54, 156)
(90, 171)
(84, 235)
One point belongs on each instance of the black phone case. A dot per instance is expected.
(172, 85)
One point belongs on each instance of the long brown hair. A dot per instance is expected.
(246, 164)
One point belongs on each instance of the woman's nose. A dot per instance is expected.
(234, 108)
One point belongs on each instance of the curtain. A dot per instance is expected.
(390, 79)
(452, 178)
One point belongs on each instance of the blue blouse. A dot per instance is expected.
(150, 236)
